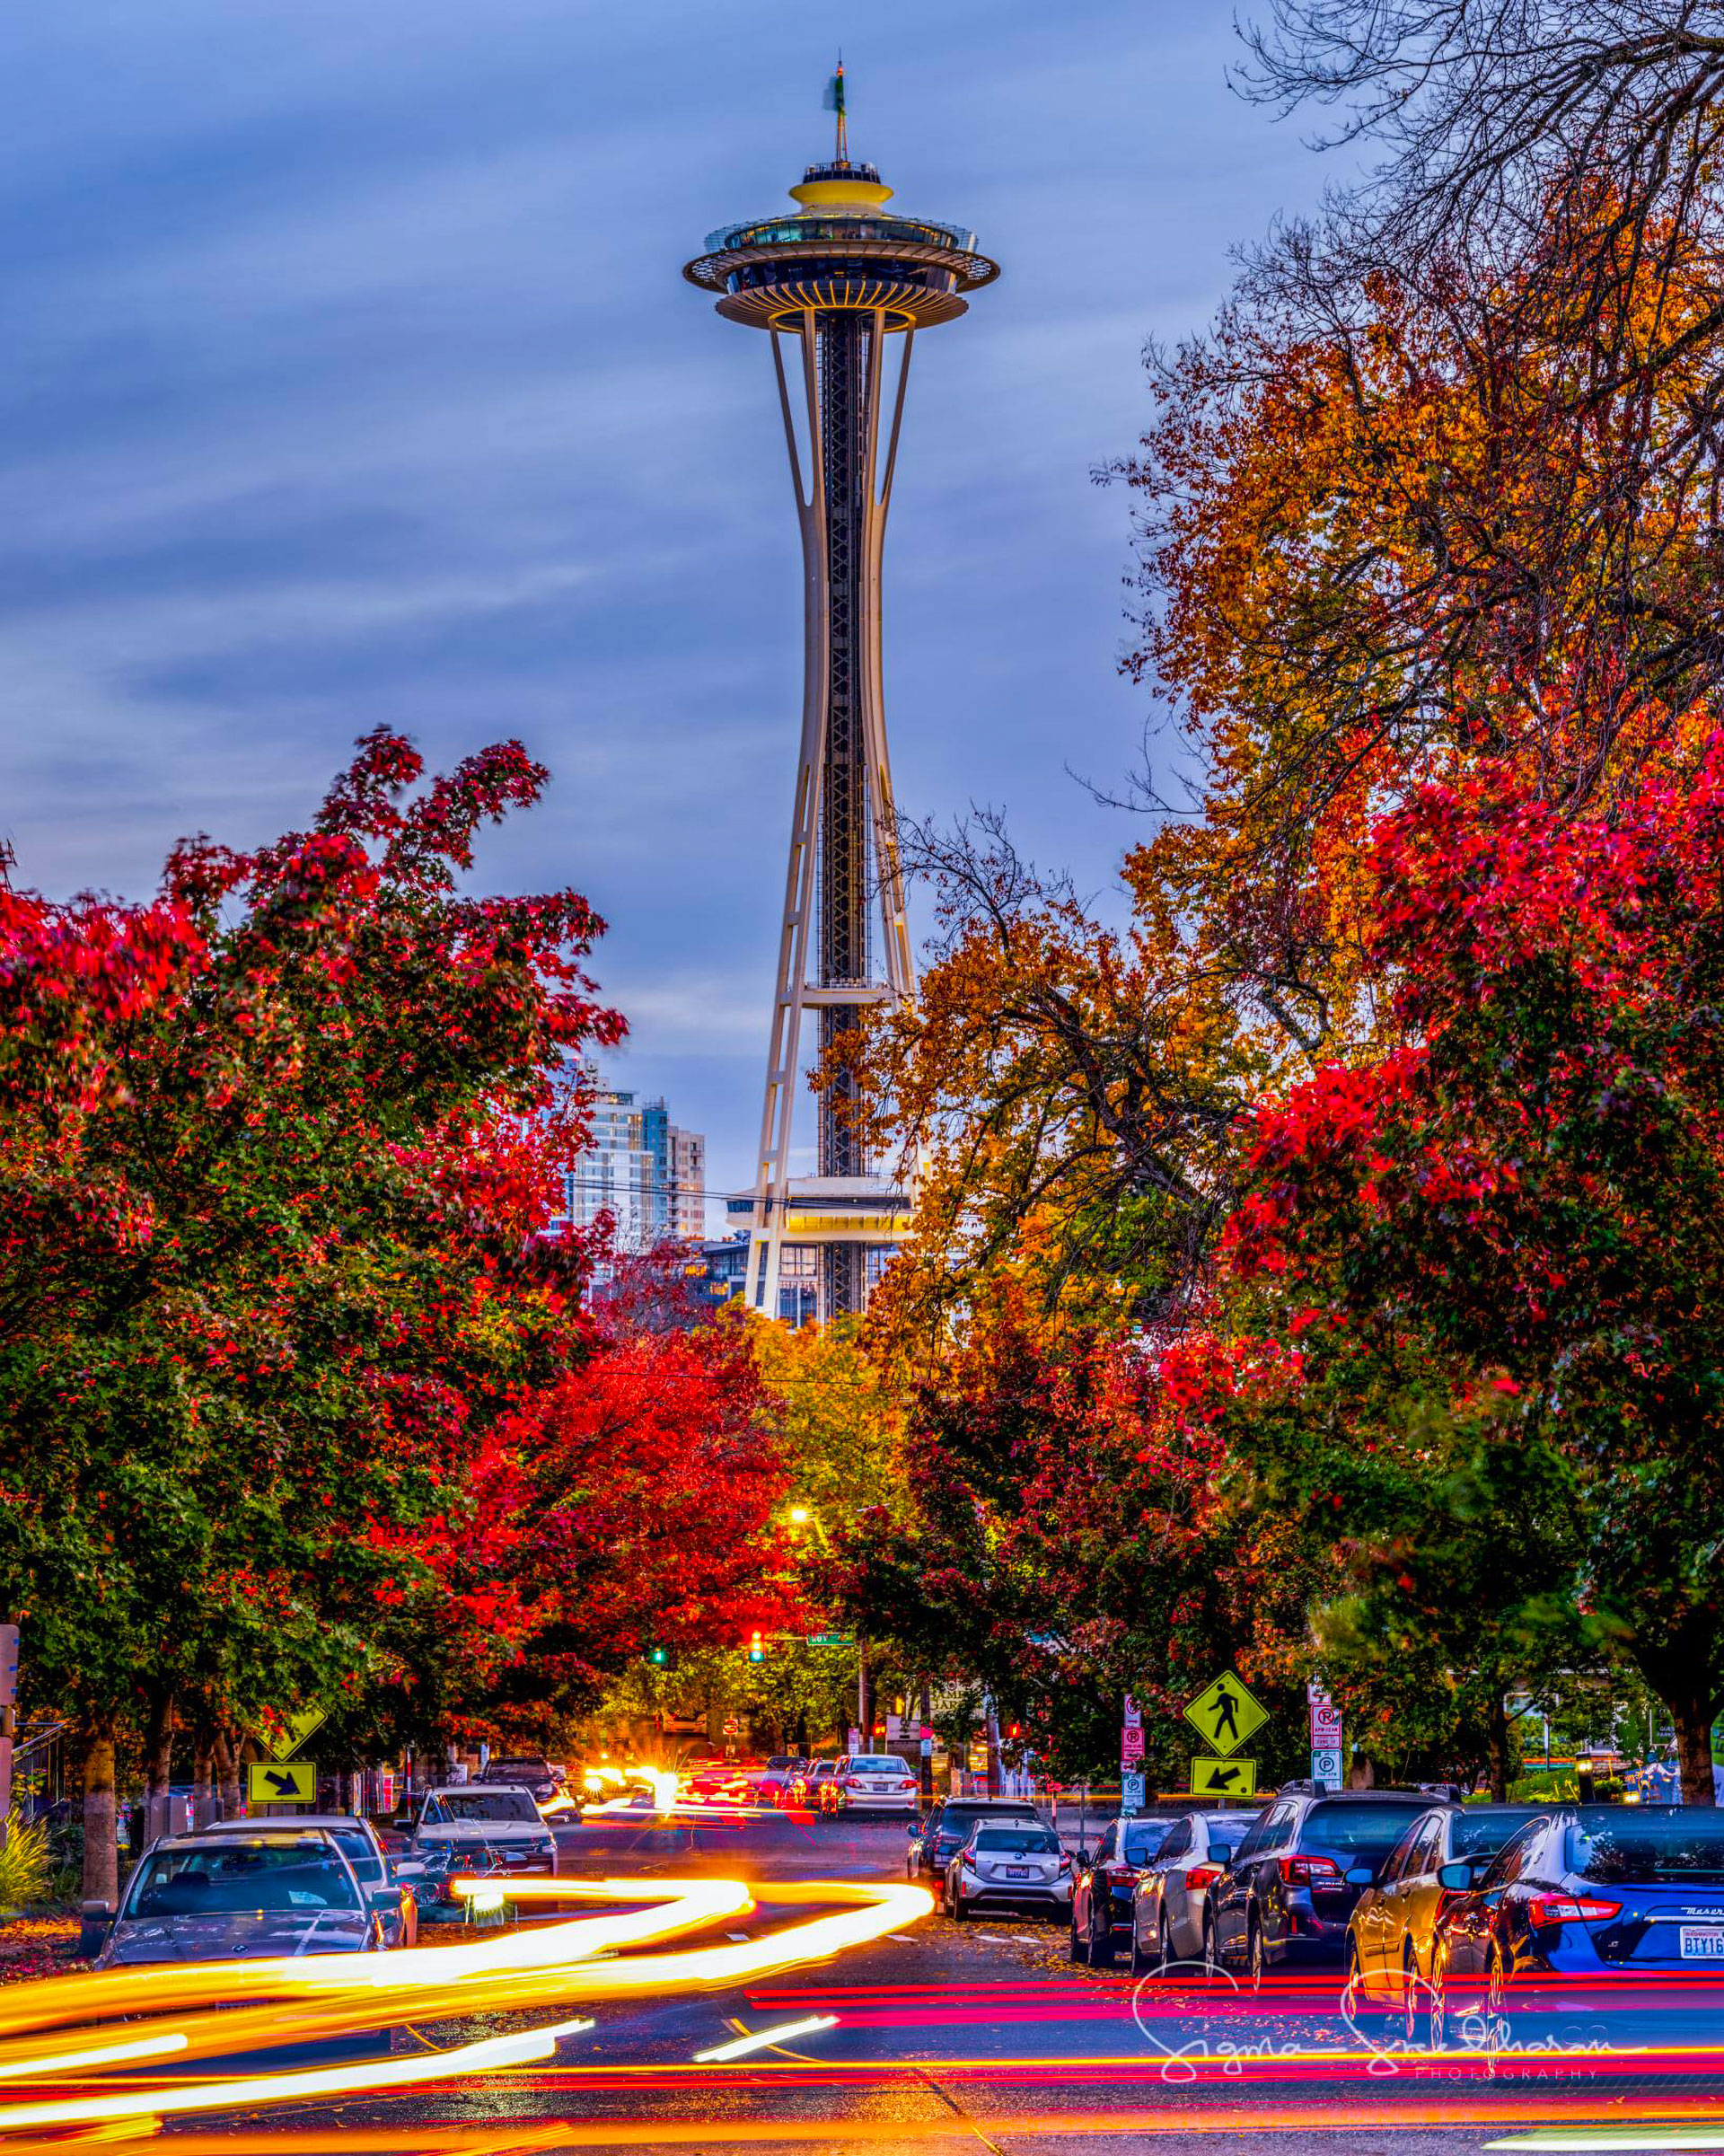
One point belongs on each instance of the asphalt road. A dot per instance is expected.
(984, 2037)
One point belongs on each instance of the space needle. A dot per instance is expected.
(834, 279)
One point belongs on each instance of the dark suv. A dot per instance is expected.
(1289, 1890)
(535, 1775)
(937, 1839)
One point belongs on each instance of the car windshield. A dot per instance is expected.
(226, 1877)
(1143, 1837)
(1019, 1841)
(508, 1804)
(1482, 1835)
(1617, 1848)
(959, 1818)
(867, 1764)
(1359, 1826)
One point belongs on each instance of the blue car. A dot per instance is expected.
(1579, 1904)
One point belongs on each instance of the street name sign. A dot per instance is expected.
(1224, 1715)
(290, 1782)
(1224, 1777)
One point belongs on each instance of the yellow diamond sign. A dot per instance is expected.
(288, 1732)
(1224, 1777)
(1224, 1715)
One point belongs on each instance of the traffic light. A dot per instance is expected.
(756, 1651)
(659, 1657)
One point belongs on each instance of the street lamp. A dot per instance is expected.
(798, 1516)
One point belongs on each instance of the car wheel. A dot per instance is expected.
(1255, 1954)
(960, 1915)
(1164, 1945)
(1496, 1985)
(1358, 2004)
(1080, 1943)
(1412, 2012)
(1212, 1951)
(1101, 1933)
(1437, 2019)
(1139, 1960)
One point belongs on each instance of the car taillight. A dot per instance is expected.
(1310, 1871)
(1569, 1909)
(1202, 1875)
(908, 1782)
(1065, 1863)
(1121, 1874)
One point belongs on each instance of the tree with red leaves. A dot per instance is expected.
(632, 1504)
(276, 1151)
(1520, 1197)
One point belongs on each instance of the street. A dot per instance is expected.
(982, 2036)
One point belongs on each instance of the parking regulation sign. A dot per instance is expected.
(1131, 1793)
(1325, 1767)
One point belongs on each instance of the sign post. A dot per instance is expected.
(1131, 1758)
(8, 1719)
(1326, 1745)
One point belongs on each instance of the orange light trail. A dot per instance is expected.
(318, 1996)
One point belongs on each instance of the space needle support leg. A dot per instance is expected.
(784, 1056)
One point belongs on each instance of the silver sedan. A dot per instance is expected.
(1167, 1903)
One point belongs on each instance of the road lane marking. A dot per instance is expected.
(740, 2046)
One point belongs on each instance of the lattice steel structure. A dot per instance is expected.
(837, 277)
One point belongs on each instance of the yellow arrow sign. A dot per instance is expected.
(288, 1781)
(291, 1730)
(1224, 1777)
(1224, 1715)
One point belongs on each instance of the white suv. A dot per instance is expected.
(878, 1781)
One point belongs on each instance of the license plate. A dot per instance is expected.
(1701, 1944)
(1018, 1871)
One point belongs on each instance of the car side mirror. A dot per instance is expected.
(1360, 1875)
(96, 1920)
(1457, 1878)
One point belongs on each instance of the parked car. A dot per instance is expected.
(1169, 1901)
(533, 1775)
(936, 1840)
(239, 1896)
(1007, 1864)
(388, 1883)
(1395, 1921)
(877, 1782)
(1287, 1895)
(1101, 1899)
(1594, 1891)
(504, 1820)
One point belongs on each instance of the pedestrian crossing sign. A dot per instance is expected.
(282, 1781)
(1224, 1777)
(1224, 1715)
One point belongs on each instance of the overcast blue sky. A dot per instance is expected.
(350, 377)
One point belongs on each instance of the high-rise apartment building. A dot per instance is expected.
(649, 1175)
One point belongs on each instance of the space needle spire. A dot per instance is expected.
(838, 284)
